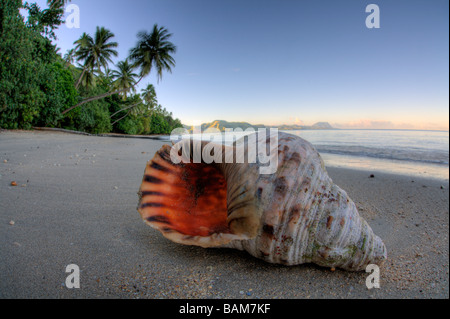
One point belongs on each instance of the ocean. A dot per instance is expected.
(407, 152)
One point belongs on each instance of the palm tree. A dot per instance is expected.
(69, 57)
(135, 108)
(87, 79)
(108, 73)
(149, 96)
(82, 46)
(124, 78)
(57, 3)
(106, 78)
(95, 52)
(103, 48)
(153, 50)
(83, 41)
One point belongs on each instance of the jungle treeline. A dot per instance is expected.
(81, 89)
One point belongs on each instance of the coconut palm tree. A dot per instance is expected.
(136, 107)
(82, 42)
(82, 54)
(69, 57)
(95, 52)
(103, 48)
(149, 97)
(153, 50)
(106, 78)
(87, 79)
(124, 78)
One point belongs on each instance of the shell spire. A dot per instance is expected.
(296, 215)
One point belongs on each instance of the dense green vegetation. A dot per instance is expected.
(80, 91)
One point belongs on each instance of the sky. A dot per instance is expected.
(279, 62)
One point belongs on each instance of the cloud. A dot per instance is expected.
(298, 121)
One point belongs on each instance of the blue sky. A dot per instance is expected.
(291, 61)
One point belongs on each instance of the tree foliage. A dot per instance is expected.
(153, 50)
(38, 86)
(33, 83)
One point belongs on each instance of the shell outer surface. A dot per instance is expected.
(296, 215)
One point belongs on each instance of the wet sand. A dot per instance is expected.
(75, 203)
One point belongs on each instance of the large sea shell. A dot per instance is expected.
(296, 215)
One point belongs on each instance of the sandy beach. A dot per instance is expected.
(75, 203)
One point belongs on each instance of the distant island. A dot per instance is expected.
(221, 125)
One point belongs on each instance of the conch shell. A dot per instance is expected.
(296, 215)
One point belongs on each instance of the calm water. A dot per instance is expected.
(415, 146)
(420, 153)
(417, 153)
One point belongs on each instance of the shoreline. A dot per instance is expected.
(76, 203)
(413, 169)
(438, 172)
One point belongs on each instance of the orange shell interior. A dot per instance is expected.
(190, 199)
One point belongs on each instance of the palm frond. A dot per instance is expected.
(153, 50)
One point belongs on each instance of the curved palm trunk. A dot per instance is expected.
(127, 108)
(79, 79)
(138, 81)
(98, 97)
(94, 98)
(121, 118)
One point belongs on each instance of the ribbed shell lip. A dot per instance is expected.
(194, 203)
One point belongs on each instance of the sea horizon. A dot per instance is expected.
(372, 129)
(308, 127)
(422, 153)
